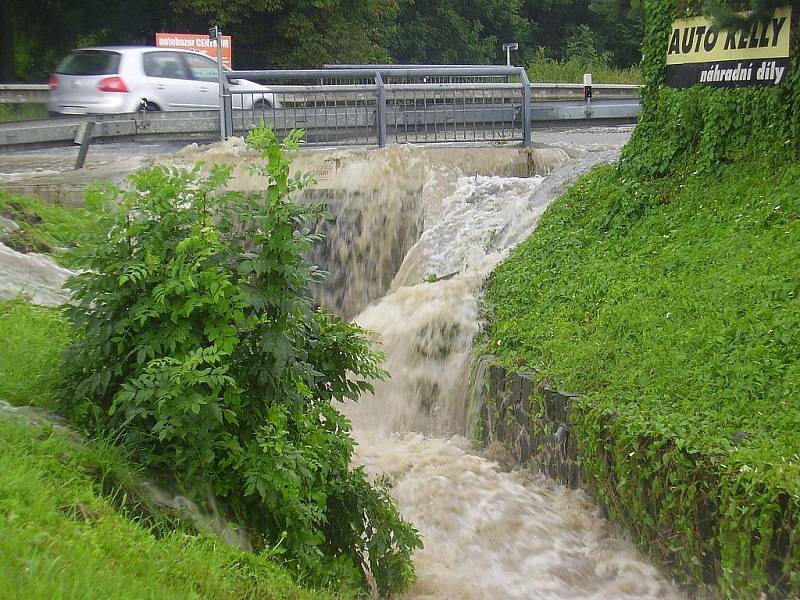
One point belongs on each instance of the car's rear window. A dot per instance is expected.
(89, 62)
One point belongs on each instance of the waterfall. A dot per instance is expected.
(419, 231)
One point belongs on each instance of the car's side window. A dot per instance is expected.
(202, 67)
(164, 64)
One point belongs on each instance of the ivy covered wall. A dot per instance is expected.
(700, 127)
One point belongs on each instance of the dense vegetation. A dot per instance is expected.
(292, 34)
(72, 524)
(199, 347)
(701, 127)
(665, 290)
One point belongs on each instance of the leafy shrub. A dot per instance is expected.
(570, 69)
(201, 346)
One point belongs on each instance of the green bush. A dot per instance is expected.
(201, 347)
(571, 69)
(697, 129)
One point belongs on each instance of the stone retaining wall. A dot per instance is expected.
(501, 405)
(504, 424)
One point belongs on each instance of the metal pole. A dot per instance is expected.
(508, 56)
(380, 116)
(228, 109)
(84, 137)
(217, 36)
(526, 107)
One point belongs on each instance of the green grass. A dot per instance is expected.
(22, 112)
(673, 306)
(45, 228)
(684, 307)
(60, 538)
(32, 340)
(548, 70)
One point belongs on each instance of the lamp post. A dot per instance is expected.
(508, 48)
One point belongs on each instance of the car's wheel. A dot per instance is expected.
(262, 105)
(152, 107)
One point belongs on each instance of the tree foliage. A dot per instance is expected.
(467, 31)
(200, 346)
(35, 37)
(309, 33)
(300, 33)
(741, 14)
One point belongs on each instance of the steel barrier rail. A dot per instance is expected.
(406, 104)
(574, 91)
(15, 94)
(24, 93)
(504, 114)
(487, 70)
(204, 125)
(187, 125)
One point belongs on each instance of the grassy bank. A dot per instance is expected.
(22, 112)
(32, 339)
(45, 228)
(672, 306)
(61, 538)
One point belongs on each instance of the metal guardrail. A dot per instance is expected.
(574, 91)
(24, 93)
(402, 104)
(377, 105)
(27, 93)
(204, 125)
(189, 125)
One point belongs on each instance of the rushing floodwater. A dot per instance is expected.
(488, 534)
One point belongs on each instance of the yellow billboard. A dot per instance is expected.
(697, 52)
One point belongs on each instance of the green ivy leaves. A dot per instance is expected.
(697, 129)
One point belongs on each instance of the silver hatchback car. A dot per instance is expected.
(121, 79)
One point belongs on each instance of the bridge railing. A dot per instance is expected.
(378, 105)
(372, 105)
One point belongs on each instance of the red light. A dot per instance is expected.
(112, 84)
(53, 81)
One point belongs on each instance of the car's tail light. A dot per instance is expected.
(112, 84)
(53, 81)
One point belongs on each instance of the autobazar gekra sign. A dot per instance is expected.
(698, 53)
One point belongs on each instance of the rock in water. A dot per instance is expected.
(7, 225)
(33, 275)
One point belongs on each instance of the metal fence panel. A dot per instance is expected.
(380, 104)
